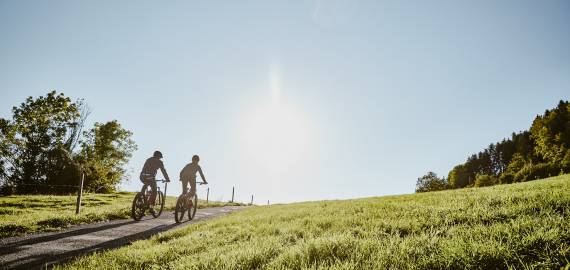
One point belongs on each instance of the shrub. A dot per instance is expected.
(484, 180)
(517, 163)
(6, 190)
(506, 178)
(566, 162)
(537, 171)
(430, 182)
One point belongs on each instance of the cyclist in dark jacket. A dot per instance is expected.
(149, 170)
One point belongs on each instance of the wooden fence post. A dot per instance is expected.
(233, 189)
(251, 200)
(79, 194)
(207, 194)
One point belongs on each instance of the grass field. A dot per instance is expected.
(23, 214)
(519, 226)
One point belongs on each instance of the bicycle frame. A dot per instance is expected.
(200, 183)
(145, 189)
(185, 203)
(142, 203)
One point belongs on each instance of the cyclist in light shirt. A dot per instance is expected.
(188, 175)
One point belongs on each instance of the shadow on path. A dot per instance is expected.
(43, 261)
(45, 250)
(16, 246)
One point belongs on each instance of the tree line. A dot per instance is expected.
(540, 152)
(45, 148)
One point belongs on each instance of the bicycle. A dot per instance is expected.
(141, 202)
(185, 203)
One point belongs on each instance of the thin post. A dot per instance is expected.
(233, 189)
(267, 202)
(79, 194)
(251, 199)
(207, 194)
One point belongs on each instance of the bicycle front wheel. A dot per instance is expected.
(194, 206)
(158, 204)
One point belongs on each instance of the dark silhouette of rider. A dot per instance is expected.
(148, 173)
(188, 175)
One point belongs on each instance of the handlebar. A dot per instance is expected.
(162, 180)
(201, 183)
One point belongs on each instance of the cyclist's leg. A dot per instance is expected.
(192, 186)
(145, 182)
(143, 189)
(153, 193)
(184, 186)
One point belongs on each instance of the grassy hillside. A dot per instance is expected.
(34, 213)
(517, 226)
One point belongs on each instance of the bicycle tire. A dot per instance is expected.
(192, 210)
(162, 202)
(180, 209)
(137, 208)
(158, 204)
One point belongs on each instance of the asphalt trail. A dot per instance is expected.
(41, 251)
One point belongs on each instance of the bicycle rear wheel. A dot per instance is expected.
(137, 209)
(194, 206)
(158, 204)
(180, 209)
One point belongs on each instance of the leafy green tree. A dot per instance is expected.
(524, 144)
(517, 163)
(38, 148)
(35, 143)
(105, 151)
(551, 132)
(430, 182)
(458, 177)
(541, 152)
(4, 149)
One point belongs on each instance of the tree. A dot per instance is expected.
(35, 143)
(566, 162)
(458, 177)
(4, 149)
(105, 151)
(430, 182)
(542, 151)
(38, 148)
(551, 132)
(517, 163)
(524, 145)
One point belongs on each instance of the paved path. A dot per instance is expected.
(38, 251)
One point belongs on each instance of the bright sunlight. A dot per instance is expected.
(275, 135)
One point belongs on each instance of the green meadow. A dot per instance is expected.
(21, 214)
(517, 226)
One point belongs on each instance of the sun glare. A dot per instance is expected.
(275, 135)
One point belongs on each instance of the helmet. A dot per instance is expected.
(195, 158)
(157, 154)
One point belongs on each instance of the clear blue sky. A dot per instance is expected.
(295, 100)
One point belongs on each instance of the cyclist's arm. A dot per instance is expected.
(164, 172)
(202, 175)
